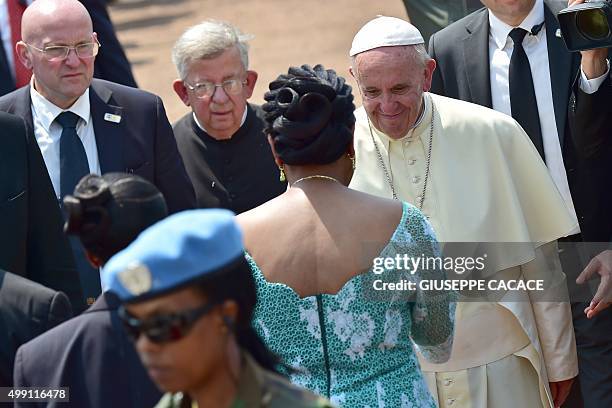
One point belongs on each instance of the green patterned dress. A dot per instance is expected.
(352, 348)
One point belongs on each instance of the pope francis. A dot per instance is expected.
(478, 178)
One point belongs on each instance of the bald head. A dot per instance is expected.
(49, 25)
(43, 15)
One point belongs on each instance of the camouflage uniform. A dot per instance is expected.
(258, 388)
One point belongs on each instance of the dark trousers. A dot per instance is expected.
(593, 388)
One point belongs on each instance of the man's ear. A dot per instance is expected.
(250, 85)
(430, 67)
(23, 53)
(181, 90)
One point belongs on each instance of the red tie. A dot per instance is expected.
(15, 10)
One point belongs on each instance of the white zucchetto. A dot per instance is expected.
(385, 32)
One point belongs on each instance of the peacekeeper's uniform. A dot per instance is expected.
(258, 388)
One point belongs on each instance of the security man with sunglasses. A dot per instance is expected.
(188, 298)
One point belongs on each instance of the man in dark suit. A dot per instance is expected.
(84, 125)
(477, 61)
(32, 242)
(27, 309)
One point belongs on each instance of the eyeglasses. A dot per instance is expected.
(60, 52)
(163, 328)
(207, 89)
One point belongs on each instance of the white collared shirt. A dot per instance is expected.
(48, 133)
(500, 52)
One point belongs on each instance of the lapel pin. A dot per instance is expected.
(112, 118)
(558, 33)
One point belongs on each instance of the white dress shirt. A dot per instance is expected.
(500, 52)
(48, 133)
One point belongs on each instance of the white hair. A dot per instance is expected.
(208, 39)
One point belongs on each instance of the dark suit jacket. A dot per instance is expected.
(7, 83)
(27, 309)
(462, 53)
(32, 241)
(91, 355)
(111, 62)
(141, 143)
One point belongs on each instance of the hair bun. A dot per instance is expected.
(304, 116)
(91, 193)
(309, 115)
(74, 215)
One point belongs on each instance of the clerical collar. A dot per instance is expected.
(499, 30)
(244, 115)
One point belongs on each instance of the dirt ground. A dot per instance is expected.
(287, 32)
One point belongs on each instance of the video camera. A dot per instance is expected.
(587, 26)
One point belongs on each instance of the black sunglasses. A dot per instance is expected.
(162, 328)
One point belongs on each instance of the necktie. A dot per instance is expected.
(73, 167)
(522, 92)
(73, 160)
(15, 11)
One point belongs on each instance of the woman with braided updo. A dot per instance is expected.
(313, 251)
(108, 212)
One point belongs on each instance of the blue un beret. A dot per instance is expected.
(173, 253)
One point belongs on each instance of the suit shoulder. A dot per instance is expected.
(8, 119)
(122, 91)
(87, 325)
(25, 290)
(32, 305)
(10, 99)
(555, 5)
(460, 27)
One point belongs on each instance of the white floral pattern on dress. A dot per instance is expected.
(355, 328)
(392, 329)
(309, 313)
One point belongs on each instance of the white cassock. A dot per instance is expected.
(487, 183)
